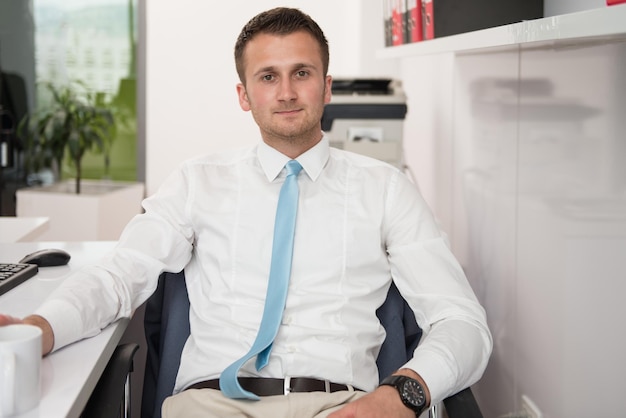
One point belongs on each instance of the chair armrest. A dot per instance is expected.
(108, 397)
(462, 405)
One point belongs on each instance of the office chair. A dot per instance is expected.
(166, 324)
(111, 397)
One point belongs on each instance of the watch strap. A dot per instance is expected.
(410, 390)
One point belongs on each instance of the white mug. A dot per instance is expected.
(20, 361)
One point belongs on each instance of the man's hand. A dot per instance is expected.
(47, 337)
(383, 402)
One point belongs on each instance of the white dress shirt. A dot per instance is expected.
(360, 224)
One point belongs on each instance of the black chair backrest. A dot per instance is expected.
(166, 324)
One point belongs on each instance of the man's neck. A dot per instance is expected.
(294, 147)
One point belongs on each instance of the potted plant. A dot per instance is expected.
(71, 125)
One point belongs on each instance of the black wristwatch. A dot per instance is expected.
(410, 390)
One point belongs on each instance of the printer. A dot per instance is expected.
(366, 116)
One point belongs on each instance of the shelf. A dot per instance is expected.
(607, 23)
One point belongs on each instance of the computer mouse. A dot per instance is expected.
(48, 257)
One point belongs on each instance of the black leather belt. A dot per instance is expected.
(262, 386)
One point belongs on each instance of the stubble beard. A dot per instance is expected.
(295, 133)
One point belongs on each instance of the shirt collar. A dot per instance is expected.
(312, 161)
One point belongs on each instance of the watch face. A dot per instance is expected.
(413, 393)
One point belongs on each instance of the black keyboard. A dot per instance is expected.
(12, 274)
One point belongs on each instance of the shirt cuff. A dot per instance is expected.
(65, 321)
(435, 372)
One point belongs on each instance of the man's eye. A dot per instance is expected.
(302, 73)
(268, 77)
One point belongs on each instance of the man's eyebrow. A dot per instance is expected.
(294, 67)
(303, 65)
(269, 69)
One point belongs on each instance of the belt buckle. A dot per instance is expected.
(326, 385)
(287, 385)
(287, 389)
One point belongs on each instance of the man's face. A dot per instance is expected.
(285, 87)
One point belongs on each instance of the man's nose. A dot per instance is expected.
(286, 90)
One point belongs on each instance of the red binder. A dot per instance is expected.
(414, 21)
(428, 19)
(397, 21)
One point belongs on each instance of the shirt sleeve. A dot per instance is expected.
(161, 239)
(456, 342)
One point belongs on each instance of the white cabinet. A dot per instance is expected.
(517, 137)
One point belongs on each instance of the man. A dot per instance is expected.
(360, 224)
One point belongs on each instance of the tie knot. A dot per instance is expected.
(293, 167)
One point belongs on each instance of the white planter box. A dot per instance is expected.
(99, 213)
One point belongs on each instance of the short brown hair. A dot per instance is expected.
(279, 21)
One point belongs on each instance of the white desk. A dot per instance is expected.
(69, 375)
(14, 229)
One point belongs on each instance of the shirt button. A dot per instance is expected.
(288, 319)
(291, 348)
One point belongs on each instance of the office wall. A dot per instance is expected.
(191, 102)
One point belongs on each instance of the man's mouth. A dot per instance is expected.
(288, 112)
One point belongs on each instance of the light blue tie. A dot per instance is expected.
(280, 270)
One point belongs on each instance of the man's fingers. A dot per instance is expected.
(9, 320)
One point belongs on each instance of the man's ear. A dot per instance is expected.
(243, 97)
(328, 89)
